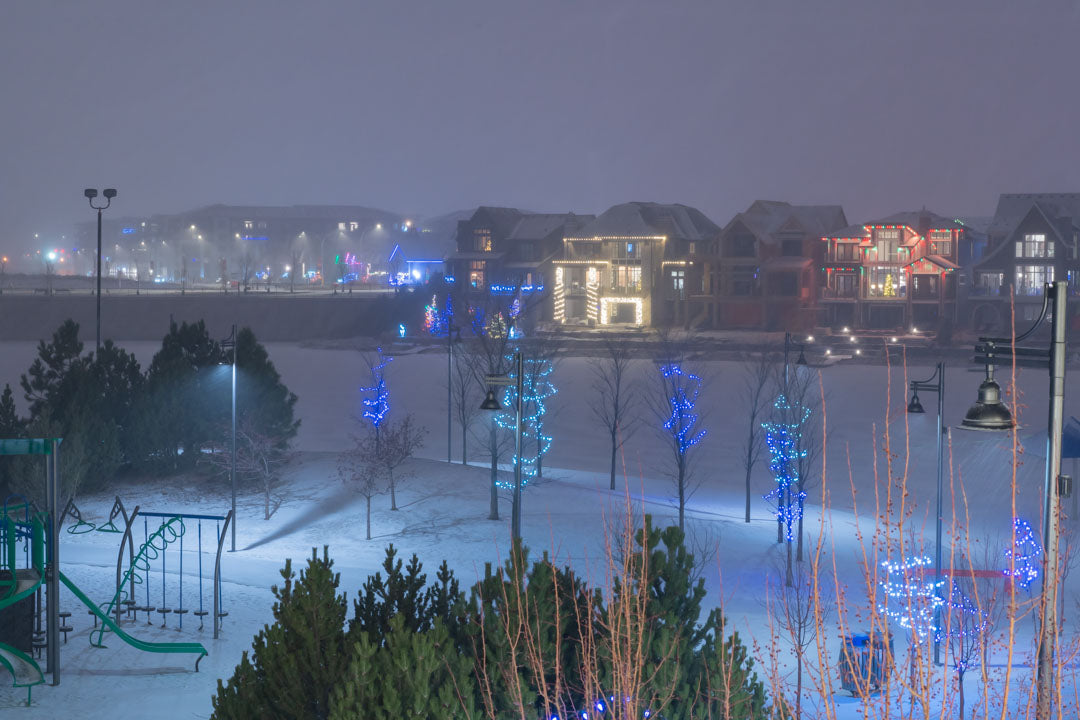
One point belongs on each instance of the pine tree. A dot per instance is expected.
(296, 662)
(406, 674)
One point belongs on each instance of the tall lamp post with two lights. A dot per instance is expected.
(491, 402)
(990, 413)
(935, 384)
(90, 194)
(229, 343)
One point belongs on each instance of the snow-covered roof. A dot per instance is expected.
(768, 218)
(1012, 208)
(647, 219)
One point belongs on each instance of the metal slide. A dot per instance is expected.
(158, 647)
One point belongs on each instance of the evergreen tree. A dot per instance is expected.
(405, 674)
(11, 426)
(261, 398)
(296, 662)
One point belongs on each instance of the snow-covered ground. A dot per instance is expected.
(444, 509)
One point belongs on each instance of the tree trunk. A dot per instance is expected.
(614, 450)
(368, 517)
(749, 465)
(493, 513)
(798, 685)
(393, 492)
(682, 496)
(799, 545)
(266, 502)
(789, 580)
(464, 446)
(960, 682)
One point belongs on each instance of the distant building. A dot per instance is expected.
(629, 265)
(319, 243)
(763, 269)
(899, 272)
(1033, 239)
(504, 250)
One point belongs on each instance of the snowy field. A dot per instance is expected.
(444, 509)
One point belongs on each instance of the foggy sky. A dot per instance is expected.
(428, 107)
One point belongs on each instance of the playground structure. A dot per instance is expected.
(38, 533)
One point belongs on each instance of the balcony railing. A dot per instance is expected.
(828, 293)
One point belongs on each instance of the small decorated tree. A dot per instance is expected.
(376, 402)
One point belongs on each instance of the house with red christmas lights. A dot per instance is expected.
(899, 272)
(1033, 239)
(761, 270)
(629, 266)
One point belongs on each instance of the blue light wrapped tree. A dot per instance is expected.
(676, 407)
(536, 388)
(376, 404)
(782, 438)
(1024, 556)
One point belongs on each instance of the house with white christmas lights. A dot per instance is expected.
(1032, 240)
(761, 271)
(629, 266)
(899, 272)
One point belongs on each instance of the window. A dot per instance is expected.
(482, 240)
(941, 247)
(249, 225)
(693, 248)
(924, 287)
(744, 281)
(786, 284)
(791, 248)
(742, 245)
(354, 226)
(476, 273)
(886, 282)
(1034, 246)
(678, 283)
(1031, 278)
(846, 251)
(842, 285)
(340, 226)
(626, 277)
(887, 234)
(988, 283)
(628, 250)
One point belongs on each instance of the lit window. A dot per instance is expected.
(476, 273)
(482, 240)
(341, 226)
(1034, 246)
(1030, 279)
(354, 226)
(249, 224)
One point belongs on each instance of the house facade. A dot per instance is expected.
(1034, 239)
(629, 266)
(762, 269)
(504, 250)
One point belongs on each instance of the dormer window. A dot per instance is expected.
(1034, 246)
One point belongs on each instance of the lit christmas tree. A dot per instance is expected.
(1024, 556)
(888, 290)
(434, 320)
(496, 327)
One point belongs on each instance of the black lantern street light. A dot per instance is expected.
(229, 343)
(90, 194)
(935, 384)
(491, 402)
(801, 360)
(990, 413)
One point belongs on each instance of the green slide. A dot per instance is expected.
(158, 647)
(25, 672)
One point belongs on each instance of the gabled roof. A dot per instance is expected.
(767, 218)
(920, 221)
(537, 226)
(1012, 208)
(501, 219)
(941, 262)
(646, 219)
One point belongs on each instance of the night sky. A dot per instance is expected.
(429, 107)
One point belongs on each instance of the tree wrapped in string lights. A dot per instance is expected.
(675, 405)
(782, 438)
(376, 404)
(536, 387)
(1024, 556)
(436, 322)
(917, 599)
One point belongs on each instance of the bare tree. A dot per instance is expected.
(966, 627)
(466, 389)
(800, 611)
(757, 372)
(358, 469)
(398, 443)
(259, 459)
(613, 403)
(673, 402)
(541, 356)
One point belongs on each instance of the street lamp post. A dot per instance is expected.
(935, 384)
(230, 343)
(491, 402)
(3, 272)
(989, 413)
(90, 194)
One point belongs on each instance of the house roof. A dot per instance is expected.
(537, 226)
(851, 231)
(919, 220)
(1012, 208)
(941, 262)
(646, 219)
(767, 218)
